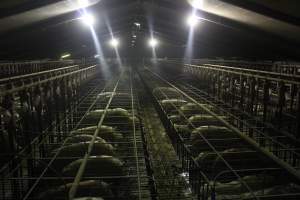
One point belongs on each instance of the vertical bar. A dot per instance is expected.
(242, 100)
(266, 98)
(298, 114)
(281, 103)
(252, 95)
(233, 90)
(219, 82)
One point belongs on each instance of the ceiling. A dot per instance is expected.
(254, 29)
(287, 7)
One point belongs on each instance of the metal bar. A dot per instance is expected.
(241, 70)
(27, 195)
(255, 71)
(134, 136)
(280, 162)
(272, 76)
(3, 80)
(298, 114)
(17, 89)
(207, 142)
(81, 169)
(250, 121)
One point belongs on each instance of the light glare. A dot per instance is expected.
(88, 19)
(114, 42)
(197, 3)
(192, 20)
(65, 56)
(153, 42)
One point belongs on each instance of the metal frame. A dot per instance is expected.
(272, 98)
(281, 67)
(132, 149)
(51, 72)
(26, 67)
(17, 171)
(40, 104)
(182, 147)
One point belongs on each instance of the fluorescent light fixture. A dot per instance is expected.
(153, 42)
(96, 56)
(114, 42)
(192, 20)
(65, 56)
(88, 19)
(134, 36)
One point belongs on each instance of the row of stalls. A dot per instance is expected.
(282, 67)
(9, 69)
(221, 155)
(78, 132)
(270, 97)
(32, 106)
(82, 138)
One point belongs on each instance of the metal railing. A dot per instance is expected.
(181, 144)
(133, 184)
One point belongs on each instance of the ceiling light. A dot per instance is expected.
(153, 42)
(114, 42)
(134, 36)
(96, 56)
(192, 20)
(88, 19)
(65, 56)
(137, 24)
